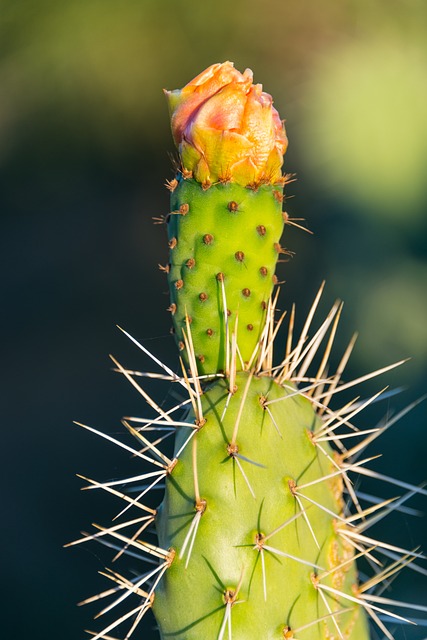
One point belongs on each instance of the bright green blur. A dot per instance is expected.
(366, 129)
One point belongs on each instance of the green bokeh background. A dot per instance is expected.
(84, 143)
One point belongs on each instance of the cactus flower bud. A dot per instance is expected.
(226, 128)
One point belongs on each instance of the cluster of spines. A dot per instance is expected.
(351, 527)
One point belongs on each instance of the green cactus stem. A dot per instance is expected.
(224, 245)
(255, 512)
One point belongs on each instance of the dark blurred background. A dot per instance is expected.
(84, 144)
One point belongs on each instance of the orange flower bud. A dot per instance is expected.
(226, 128)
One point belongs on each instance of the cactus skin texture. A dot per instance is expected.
(260, 528)
(248, 465)
(224, 245)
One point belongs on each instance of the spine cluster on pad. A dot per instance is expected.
(260, 532)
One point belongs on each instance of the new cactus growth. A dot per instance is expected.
(260, 527)
(223, 254)
(226, 212)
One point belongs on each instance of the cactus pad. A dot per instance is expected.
(224, 245)
(240, 525)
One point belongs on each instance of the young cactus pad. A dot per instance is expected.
(260, 527)
(224, 245)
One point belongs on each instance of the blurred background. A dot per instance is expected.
(84, 154)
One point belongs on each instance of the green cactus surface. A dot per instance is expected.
(224, 245)
(262, 544)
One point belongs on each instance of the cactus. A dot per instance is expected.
(224, 249)
(260, 528)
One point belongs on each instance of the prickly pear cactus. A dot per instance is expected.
(255, 512)
(260, 529)
(224, 245)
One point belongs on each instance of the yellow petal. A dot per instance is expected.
(220, 149)
(245, 172)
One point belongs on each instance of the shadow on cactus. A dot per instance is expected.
(260, 533)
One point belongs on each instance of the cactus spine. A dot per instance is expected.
(260, 526)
